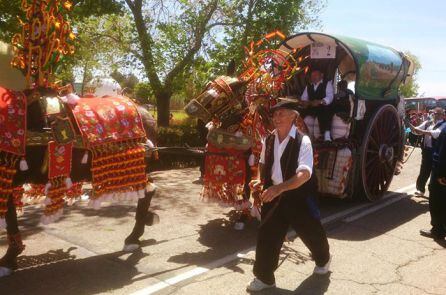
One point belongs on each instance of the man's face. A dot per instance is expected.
(316, 77)
(283, 119)
(438, 114)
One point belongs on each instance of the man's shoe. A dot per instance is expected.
(432, 234)
(419, 193)
(257, 285)
(322, 270)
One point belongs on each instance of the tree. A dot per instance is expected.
(250, 20)
(177, 45)
(410, 89)
(11, 9)
(169, 35)
(143, 92)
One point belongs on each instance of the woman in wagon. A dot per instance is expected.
(431, 130)
(317, 98)
(288, 200)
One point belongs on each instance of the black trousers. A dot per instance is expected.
(437, 206)
(272, 233)
(324, 115)
(425, 169)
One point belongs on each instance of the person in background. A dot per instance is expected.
(437, 189)
(341, 102)
(430, 129)
(317, 99)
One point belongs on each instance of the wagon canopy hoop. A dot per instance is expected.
(378, 69)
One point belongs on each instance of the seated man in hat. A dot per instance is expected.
(317, 99)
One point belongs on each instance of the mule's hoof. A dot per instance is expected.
(130, 247)
(152, 219)
(4, 271)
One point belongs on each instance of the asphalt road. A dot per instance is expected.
(81, 254)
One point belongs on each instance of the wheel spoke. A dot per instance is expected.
(382, 129)
(373, 141)
(372, 160)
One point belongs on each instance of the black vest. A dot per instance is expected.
(438, 125)
(319, 93)
(288, 163)
(438, 155)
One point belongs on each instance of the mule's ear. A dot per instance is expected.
(230, 71)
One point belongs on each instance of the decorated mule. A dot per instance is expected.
(237, 109)
(54, 141)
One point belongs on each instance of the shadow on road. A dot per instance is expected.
(382, 221)
(313, 285)
(60, 272)
(221, 239)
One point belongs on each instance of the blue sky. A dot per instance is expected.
(417, 26)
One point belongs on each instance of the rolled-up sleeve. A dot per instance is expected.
(436, 133)
(305, 160)
(262, 153)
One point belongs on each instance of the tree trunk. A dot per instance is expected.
(163, 108)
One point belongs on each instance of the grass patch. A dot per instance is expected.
(179, 116)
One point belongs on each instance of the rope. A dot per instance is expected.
(408, 157)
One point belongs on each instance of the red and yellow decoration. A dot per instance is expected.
(12, 122)
(45, 39)
(12, 142)
(266, 71)
(112, 129)
(59, 182)
(119, 172)
(108, 120)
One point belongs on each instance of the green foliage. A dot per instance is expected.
(410, 89)
(177, 45)
(10, 9)
(179, 135)
(250, 20)
(143, 92)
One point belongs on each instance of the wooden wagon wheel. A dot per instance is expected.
(380, 151)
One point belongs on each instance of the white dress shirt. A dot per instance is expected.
(304, 162)
(434, 133)
(329, 92)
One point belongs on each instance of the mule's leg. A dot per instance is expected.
(244, 214)
(143, 217)
(15, 246)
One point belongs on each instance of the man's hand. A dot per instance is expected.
(271, 193)
(442, 180)
(255, 185)
(316, 103)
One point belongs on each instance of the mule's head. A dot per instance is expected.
(42, 104)
(221, 98)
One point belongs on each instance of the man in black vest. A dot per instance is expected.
(288, 198)
(317, 98)
(431, 130)
(437, 189)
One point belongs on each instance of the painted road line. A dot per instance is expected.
(229, 258)
(377, 207)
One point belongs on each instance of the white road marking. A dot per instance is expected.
(377, 207)
(229, 258)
